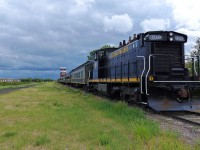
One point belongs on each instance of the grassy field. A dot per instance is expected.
(49, 116)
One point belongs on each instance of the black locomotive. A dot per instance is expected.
(149, 69)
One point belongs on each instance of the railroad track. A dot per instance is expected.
(192, 118)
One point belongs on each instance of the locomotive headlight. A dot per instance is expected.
(170, 33)
(171, 39)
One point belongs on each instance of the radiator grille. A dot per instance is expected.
(164, 64)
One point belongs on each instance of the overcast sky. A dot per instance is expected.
(38, 37)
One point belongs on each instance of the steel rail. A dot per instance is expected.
(174, 116)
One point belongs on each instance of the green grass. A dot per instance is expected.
(51, 116)
(42, 140)
(9, 134)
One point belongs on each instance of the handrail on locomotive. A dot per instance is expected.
(143, 71)
(194, 72)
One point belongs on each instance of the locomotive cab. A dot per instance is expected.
(100, 58)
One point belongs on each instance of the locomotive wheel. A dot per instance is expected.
(135, 98)
(122, 96)
(85, 88)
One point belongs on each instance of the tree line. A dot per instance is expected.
(196, 48)
(36, 80)
(195, 51)
(93, 51)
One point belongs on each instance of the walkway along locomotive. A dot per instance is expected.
(148, 69)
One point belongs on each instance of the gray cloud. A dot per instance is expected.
(155, 24)
(47, 34)
(119, 23)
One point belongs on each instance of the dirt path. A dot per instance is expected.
(8, 90)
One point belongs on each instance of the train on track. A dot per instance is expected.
(151, 69)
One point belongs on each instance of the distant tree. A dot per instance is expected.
(35, 80)
(107, 46)
(89, 57)
(93, 51)
(194, 52)
(196, 48)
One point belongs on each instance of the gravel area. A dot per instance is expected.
(189, 133)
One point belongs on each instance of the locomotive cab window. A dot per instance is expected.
(101, 54)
